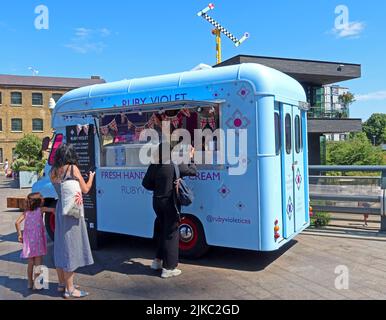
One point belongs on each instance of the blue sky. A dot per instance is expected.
(120, 39)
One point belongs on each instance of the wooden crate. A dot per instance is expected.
(16, 203)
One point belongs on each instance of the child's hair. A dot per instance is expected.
(34, 201)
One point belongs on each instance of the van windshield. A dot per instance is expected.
(55, 145)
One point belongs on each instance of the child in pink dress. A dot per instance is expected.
(34, 235)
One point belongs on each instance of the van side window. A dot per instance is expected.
(298, 137)
(288, 134)
(120, 133)
(277, 134)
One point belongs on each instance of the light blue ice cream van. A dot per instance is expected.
(260, 209)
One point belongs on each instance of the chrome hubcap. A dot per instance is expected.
(186, 233)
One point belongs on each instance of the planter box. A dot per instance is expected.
(27, 179)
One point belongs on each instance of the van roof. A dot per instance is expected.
(264, 80)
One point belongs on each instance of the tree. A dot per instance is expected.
(375, 128)
(358, 150)
(346, 100)
(29, 148)
(384, 135)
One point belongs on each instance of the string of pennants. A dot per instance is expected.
(154, 121)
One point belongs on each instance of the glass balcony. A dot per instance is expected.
(320, 112)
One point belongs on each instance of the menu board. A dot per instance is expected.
(83, 140)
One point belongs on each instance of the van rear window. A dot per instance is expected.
(298, 135)
(288, 134)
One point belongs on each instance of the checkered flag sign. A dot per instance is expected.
(208, 8)
(219, 27)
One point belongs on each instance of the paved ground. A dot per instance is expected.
(305, 269)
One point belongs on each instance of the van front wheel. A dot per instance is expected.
(192, 238)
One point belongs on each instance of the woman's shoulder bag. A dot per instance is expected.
(72, 198)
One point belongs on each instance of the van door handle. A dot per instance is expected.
(294, 165)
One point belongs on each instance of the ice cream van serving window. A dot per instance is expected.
(119, 133)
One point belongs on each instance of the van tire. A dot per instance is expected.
(49, 220)
(194, 246)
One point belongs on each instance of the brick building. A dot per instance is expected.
(24, 106)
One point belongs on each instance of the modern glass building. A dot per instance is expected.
(326, 102)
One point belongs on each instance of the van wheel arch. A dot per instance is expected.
(192, 244)
(49, 218)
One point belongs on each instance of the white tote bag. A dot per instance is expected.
(72, 198)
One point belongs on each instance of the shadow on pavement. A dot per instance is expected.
(15, 211)
(14, 257)
(9, 183)
(119, 253)
(237, 259)
(9, 238)
(17, 285)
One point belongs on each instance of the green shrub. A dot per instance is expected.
(358, 150)
(29, 155)
(29, 148)
(320, 219)
(18, 163)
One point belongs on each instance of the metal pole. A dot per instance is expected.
(218, 30)
(217, 33)
(383, 201)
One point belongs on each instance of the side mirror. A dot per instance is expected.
(51, 104)
(46, 143)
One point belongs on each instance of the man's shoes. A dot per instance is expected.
(170, 273)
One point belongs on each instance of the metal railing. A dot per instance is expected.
(326, 197)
